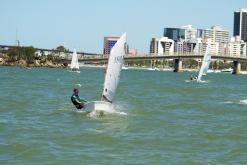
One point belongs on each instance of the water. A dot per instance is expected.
(169, 120)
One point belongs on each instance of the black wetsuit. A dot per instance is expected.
(77, 101)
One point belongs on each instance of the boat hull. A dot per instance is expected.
(100, 106)
(74, 69)
(227, 70)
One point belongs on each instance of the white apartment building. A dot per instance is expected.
(198, 47)
(214, 48)
(201, 46)
(190, 33)
(237, 47)
(162, 46)
(185, 47)
(216, 34)
(186, 40)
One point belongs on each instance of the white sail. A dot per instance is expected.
(205, 63)
(74, 62)
(113, 70)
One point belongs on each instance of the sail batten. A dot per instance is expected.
(113, 70)
(205, 63)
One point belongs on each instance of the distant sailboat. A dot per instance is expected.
(205, 63)
(124, 67)
(152, 67)
(227, 70)
(74, 66)
(112, 77)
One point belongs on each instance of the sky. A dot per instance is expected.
(83, 24)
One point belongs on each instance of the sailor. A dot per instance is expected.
(76, 100)
(192, 77)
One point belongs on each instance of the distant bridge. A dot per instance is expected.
(177, 59)
(94, 57)
(163, 57)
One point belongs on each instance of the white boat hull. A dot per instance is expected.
(124, 68)
(227, 70)
(100, 106)
(153, 69)
(210, 71)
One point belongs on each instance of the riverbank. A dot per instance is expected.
(35, 63)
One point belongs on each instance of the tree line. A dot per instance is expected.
(28, 53)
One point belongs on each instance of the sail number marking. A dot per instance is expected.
(118, 59)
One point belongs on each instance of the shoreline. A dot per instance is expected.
(52, 64)
(35, 64)
(243, 72)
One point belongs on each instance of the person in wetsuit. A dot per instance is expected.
(76, 100)
(192, 77)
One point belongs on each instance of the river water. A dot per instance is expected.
(161, 118)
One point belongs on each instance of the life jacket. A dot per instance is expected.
(73, 99)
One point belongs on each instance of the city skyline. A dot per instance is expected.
(83, 25)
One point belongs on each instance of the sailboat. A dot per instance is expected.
(112, 77)
(205, 63)
(152, 67)
(74, 66)
(124, 67)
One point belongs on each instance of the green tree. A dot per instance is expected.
(29, 54)
(61, 48)
(18, 53)
(13, 53)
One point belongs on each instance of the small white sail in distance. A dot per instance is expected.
(206, 62)
(74, 62)
(115, 62)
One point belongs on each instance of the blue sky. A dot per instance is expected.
(82, 24)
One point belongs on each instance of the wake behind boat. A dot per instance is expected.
(112, 76)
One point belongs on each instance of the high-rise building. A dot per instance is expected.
(185, 47)
(179, 47)
(162, 46)
(154, 46)
(216, 34)
(190, 33)
(189, 40)
(198, 49)
(237, 47)
(200, 33)
(185, 33)
(175, 34)
(218, 38)
(109, 42)
(240, 24)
